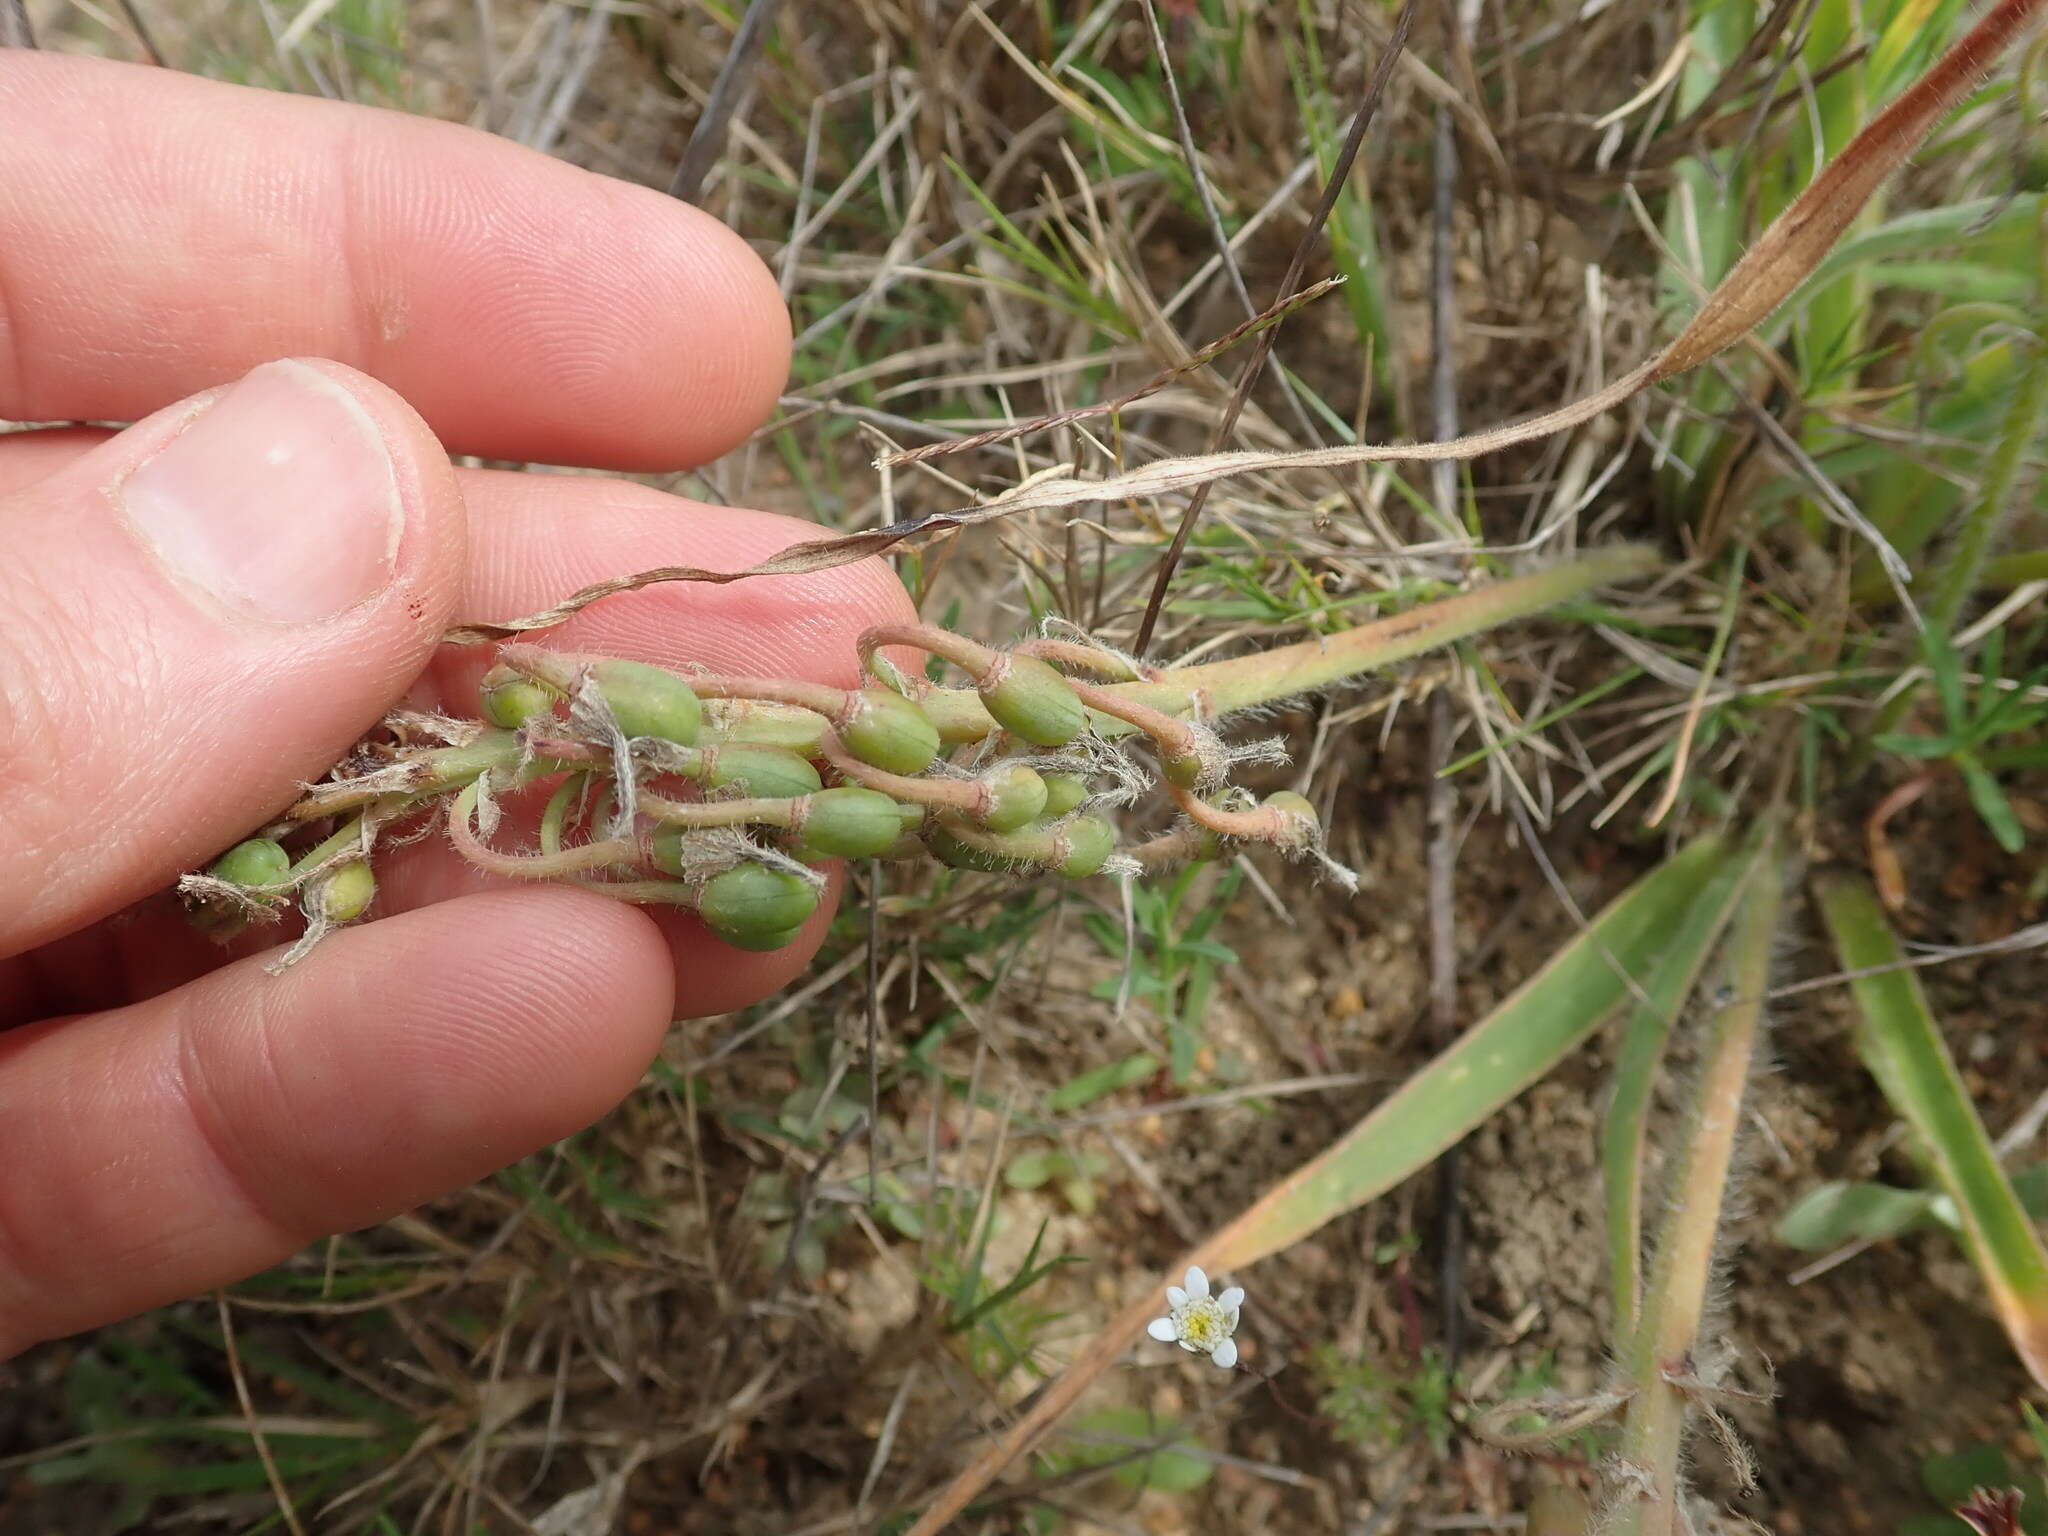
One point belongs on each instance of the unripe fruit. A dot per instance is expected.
(949, 849)
(1016, 797)
(751, 906)
(1089, 842)
(757, 943)
(885, 730)
(1029, 698)
(1063, 791)
(849, 823)
(648, 701)
(345, 894)
(1304, 825)
(511, 700)
(1186, 769)
(764, 773)
(665, 849)
(259, 861)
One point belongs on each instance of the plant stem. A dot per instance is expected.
(1245, 682)
(1659, 1362)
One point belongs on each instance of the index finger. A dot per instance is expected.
(167, 233)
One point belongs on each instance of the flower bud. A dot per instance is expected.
(885, 730)
(1063, 792)
(754, 907)
(649, 701)
(344, 894)
(848, 823)
(1016, 797)
(1084, 844)
(511, 700)
(1029, 698)
(259, 861)
(764, 773)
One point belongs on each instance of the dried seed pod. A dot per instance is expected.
(344, 894)
(259, 861)
(1016, 797)
(847, 823)
(1030, 698)
(649, 701)
(510, 699)
(885, 730)
(1063, 792)
(751, 906)
(765, 773)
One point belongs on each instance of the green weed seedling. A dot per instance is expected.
(1171, 965)
(1988, 726)
(1378, 1407)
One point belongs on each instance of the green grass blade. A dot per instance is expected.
(1521, 1040)
(1638, 1058)
(1901, 1043)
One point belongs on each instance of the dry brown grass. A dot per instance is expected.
(692, 1316)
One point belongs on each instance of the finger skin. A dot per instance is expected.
(534, 539)
(167, 233)
(141, 723)
(190, 1140)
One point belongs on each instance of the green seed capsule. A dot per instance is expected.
(1029, 698)
(345, 895)
(751, 906)
(1306, 826)
(1089, 841)
(889, 732)
(665, 849)
(757, 943)
(648, 701)
(1017, 797)
(1186, 769)
(259, 861)
(511, 700)
(850, 822)
(949, 849)
(1063, 791)
(765, 773)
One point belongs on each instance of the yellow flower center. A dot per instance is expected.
(1203, 1324)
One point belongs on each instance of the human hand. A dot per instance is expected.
(201, 612)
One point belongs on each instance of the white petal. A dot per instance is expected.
(1176, 1297)
(1197, 1282)
(1231, 1299)
(1226, 1354)
(1162, 1329)
(1233, 1315)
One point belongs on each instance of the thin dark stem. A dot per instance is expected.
(1340, 172)
(735, 77)
(150, 51)
(15, 32)
(1443, 798)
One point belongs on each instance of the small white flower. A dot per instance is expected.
(1198, 1322)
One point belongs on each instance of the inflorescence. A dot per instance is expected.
(723, 794)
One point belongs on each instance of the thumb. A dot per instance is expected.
(198, 615)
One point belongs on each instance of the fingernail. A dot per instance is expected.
(278, 500)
